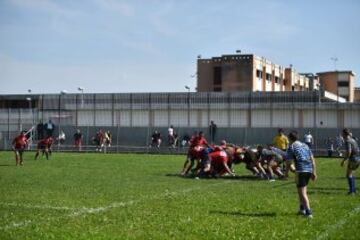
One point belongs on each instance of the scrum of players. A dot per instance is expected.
(205, 160)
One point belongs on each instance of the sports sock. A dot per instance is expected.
(353, 184)
(308, 211)
(350, 182)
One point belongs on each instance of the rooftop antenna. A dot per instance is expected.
(334, 59)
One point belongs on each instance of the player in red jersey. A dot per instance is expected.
(197, 144)
(19, 145)
(44, 146)
(219, 162)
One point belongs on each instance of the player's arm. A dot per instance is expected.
(228, 170)
(313, 174)
(13, 144)
(347, 154)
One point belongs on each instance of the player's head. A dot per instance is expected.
(346, 132)
(259, 148)
(23, 133)
(201, 134)
(239, 155)
(217, 148)
(293, 136)
(281, 131)
(223, 143)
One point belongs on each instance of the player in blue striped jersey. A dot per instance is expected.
(353, 156)
(305, 169)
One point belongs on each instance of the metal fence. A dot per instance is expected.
(241, 117)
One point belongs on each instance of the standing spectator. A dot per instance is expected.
(305, 169)
(212, 131)
(176, 139)
(352, 155)
(156, 140)
(50, 128)
(40, 130)
(99, 140)
(339, 142)
(171, 136)
(330, 146)
(308, 139)
(185, 140)
(108, 138)
(61, 137)
(78, 139)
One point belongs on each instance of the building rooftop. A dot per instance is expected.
(343, 71)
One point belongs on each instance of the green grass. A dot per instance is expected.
(124, 196)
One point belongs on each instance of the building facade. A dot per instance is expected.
(341, 83)
(248, 72)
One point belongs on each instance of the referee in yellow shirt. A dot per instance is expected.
(281, 142)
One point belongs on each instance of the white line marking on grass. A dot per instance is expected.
(333, 228)
(85, 211)
(19, 205)
(16, 225)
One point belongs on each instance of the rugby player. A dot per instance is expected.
(219, 162)
(19, 145)
(197, 144)
(272, 161)
(352, 155)
(305, 169)
(44, 146)
(252, 163)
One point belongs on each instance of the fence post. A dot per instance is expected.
(8, 130)
(94, 109)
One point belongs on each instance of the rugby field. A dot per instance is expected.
(123, 196)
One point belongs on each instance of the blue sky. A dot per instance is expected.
(152, 45)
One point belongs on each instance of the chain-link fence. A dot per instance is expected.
(243, 118)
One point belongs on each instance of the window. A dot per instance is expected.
(277, 79)
(217, 76)
(343, 84)
(268, 77)
(258, 74)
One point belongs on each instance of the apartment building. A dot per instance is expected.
(357, 94)
(248, 72)
(341, 83)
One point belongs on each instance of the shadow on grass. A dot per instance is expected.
(342, 178)
(288, 182)
(326, 191)
(243, 214)
(6, 165)
(243, 178)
